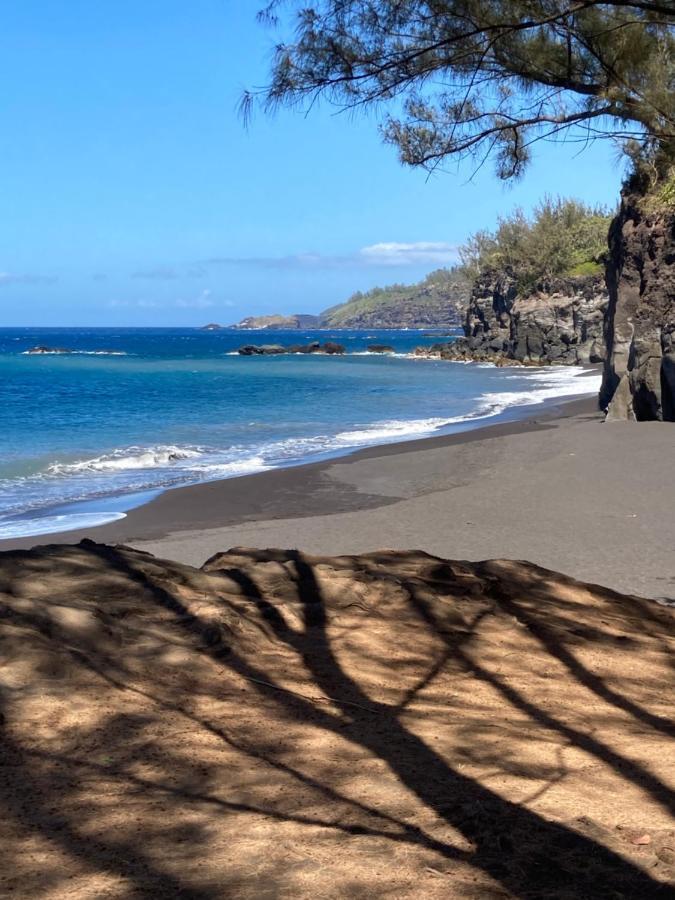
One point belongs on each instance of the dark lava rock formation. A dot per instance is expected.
(329, 348)
(639, 373)
(41, 350)
(560, 323)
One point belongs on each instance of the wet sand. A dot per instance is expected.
(559, 488)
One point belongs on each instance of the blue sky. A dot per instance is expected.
(132, 194)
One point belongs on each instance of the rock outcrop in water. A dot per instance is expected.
(561, 323)
(330, 348)
(379, 348)
(41, 350)
(639, 373)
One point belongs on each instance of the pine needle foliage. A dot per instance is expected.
(484, 78)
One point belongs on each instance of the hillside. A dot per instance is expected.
(277, 322)
(437, 301)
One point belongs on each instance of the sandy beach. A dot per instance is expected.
(559, 488)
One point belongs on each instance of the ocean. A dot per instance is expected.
(88, 435)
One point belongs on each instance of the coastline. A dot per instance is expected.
(110, 455)
(246, 497)
(552, 487)
(82, 514)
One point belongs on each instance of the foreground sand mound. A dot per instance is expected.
(283, 726)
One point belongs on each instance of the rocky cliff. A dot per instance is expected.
(560, 323)
(639, 374)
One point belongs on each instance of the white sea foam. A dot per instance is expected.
(75, 353)
(99, 353)
(129, 470)
(392, 430)
(551, 384)
(13, 528)
(124, 460)
(554, 383)
(230, 469)
(374, 353)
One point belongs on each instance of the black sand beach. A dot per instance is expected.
(559, 488)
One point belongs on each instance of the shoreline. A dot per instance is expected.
(553, 487)
(105, 511)
(254, 496)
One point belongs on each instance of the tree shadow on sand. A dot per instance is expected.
(283, 593)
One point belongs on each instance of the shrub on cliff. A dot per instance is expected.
(436, 299)
(562, 238)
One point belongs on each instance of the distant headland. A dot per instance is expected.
(438, 301)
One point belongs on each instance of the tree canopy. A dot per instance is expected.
(485, 78)
(562, 238)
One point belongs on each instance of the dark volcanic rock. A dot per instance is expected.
(639, 373)
(314, 347)
(40, 349)
(560, 323)
(262, 350)
(380, 348)
(330, 348)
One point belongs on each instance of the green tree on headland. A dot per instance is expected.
(487, 78)
(562, 238)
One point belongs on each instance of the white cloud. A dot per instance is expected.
(434, 253)
(169, 273)
(7, 278)
(203, 301)
(385, 253)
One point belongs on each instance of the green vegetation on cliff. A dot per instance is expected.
(652, 176)
(439, 300)
(563, 238)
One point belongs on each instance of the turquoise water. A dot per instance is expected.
(141, 410)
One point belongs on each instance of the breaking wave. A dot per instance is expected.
(74, 353)
(135, 469)
(124, 460)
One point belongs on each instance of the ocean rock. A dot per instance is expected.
(560, 323)
(639, 373)
(332, 348)
(329, 347)
(380, 348)
(49, 350)
(432, 352)
(212, 326)
(262, 350)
